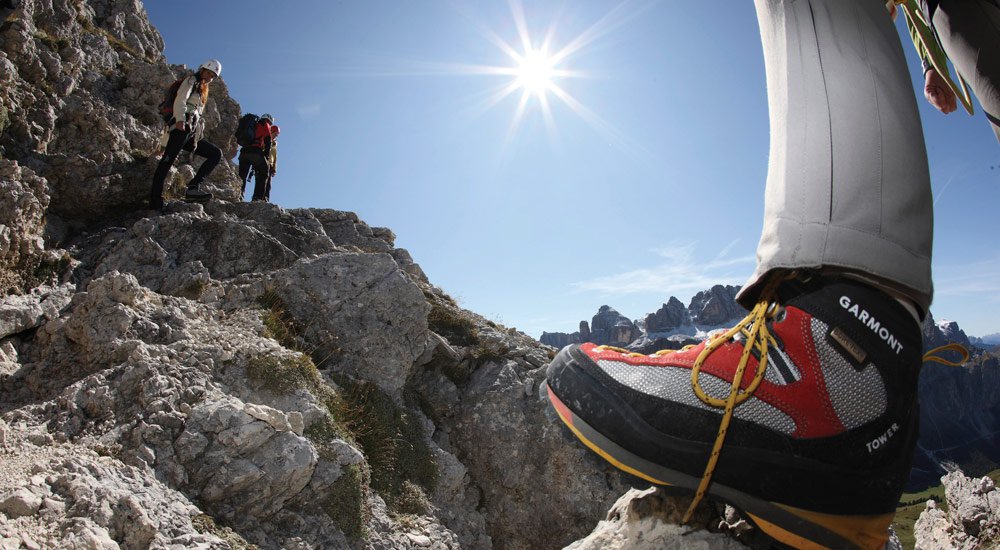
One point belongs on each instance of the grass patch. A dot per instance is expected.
(412, 500)
(346, 503)
(459, 328)
(205, 524)
(403, 468)
(400, 465)
(284, 375)
(450, 323)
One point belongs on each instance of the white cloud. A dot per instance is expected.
(980, 278)
(683, 271)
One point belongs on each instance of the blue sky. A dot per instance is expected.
(646, 181)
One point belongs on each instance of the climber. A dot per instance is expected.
(272, 162)
(254, 154)
(185, 125)
(804, 416)
(968, 33)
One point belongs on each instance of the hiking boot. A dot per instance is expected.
(815, 443)
(194, 194)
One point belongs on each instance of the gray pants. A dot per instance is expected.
(847, 185)
(970, 34)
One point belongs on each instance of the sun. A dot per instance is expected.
(535, 72)
(539, 72)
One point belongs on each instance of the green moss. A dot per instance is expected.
(205, 525)
(393, 441)
(346, 503)
(284, 375)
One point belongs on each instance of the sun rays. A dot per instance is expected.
(539, 73)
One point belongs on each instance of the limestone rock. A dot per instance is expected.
(649, 520)
(24, 198)
(972, 519)
(672, 315)
(362, 308)
(612, 328)
(27, 311)
(715, 306)
(20, 502)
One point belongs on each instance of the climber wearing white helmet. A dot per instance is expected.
(182, 112)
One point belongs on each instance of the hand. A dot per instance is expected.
(938, 93)
(181, 126)
(273, 171)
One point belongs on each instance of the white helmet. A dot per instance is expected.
(212, 65)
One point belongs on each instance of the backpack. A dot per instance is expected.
(167, 105)
(246, 130)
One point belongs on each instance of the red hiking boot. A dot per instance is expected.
(813, 442)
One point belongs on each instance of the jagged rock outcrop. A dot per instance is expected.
(670, 316)
(716, 306)
(609, 327)
(972, 518)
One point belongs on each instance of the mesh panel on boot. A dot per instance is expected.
(674, 384)
(857, 397)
